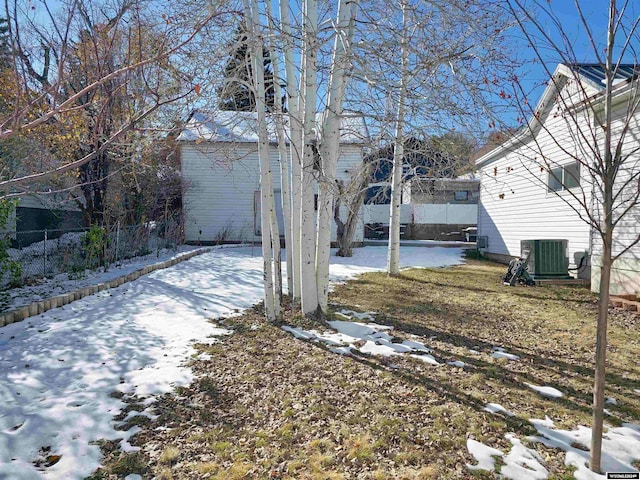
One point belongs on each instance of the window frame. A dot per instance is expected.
(466, 196)
(558, 180)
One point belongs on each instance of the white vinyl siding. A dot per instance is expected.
(625, 274)
(219, 183)
(515, 203)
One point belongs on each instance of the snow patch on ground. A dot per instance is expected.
(59, 370)
(369, 338)
(497, 408)
(418, 346)
(499, 352)
(522, 463)
(545, 391)
(457, 363)
(620, 448)
(369, 316)
(428, 359)
(65, 283)
(484, 455)
(341, 350)
(373, 338)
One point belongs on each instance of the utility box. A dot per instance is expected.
(547, 258)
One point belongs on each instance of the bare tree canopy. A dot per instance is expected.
(88, 82)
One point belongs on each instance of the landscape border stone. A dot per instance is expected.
(40, 306)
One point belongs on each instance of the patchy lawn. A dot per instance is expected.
(268, 405)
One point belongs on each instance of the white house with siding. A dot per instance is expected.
(221, 174)
(533, 188)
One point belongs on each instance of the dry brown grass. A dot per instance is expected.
(270, 406)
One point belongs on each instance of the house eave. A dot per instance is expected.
(504, 147)
(531, 129)
(619, 94)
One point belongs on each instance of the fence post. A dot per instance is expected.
(117, 239)
(44, 266)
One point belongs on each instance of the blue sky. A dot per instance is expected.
(566, 13)
(533, 75)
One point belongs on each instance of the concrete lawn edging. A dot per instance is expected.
(41, 306)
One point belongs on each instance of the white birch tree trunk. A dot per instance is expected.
(295, 149)
(277, 253)
(267, 210)
(329, 148)
(309, 291)
(285, 181)
(393, 259)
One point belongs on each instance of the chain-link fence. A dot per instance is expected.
(37, 254)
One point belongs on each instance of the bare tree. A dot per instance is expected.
(581, 141)
(87, 80)
(393, 260)
(269, 227)
(313, 147)
(330, 141)
(412, 80)
(307, 104)
(352, 196)
(285, 179)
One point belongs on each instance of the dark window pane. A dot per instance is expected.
(461, 196)
(571, 176)
(555, 179)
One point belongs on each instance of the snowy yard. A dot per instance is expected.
(65, 374)
(438, 374)
(65, 283)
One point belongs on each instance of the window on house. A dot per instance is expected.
(564, 178)
(461, 196)
(571, 176)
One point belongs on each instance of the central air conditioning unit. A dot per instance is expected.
(547, 258)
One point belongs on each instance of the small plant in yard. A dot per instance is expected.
(473, 254)
(237, 471)
(95, 243)
(482, 475)
(568, 475)
(164, 474)
(207, 468)
(360, 449)
(222, 449)
(15, 273)
(222, 236)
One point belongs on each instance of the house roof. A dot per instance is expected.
(592, 76)
(242, 127)
(596, 72)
